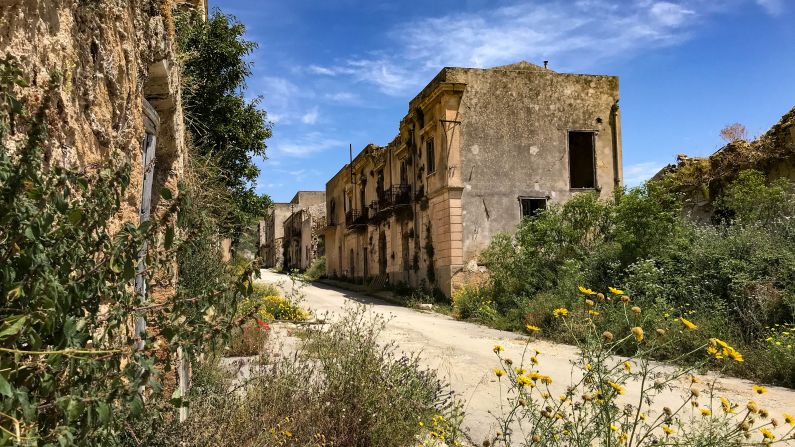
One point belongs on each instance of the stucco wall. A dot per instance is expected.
(514, 142)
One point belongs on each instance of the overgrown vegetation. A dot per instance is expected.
(341, 389)
(738, 274)
(316, 270)
(72, 370)
(614, 401)
(226, 127)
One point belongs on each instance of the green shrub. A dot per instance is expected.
(739, 271)
(316, 270)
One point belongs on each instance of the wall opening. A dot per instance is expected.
(430, 153)
(582, 172)
(532, 205)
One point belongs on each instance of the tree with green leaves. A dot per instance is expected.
(226, 127)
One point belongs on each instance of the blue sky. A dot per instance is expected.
(334, 72)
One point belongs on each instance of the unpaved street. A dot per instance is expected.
(462, 353)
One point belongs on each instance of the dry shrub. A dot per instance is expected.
(342, 389)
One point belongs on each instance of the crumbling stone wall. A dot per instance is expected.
(703, 179)
(111, 54)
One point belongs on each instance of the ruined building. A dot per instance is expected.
(478, 150)
(119, 98)
(702, 179)
(120, 94)
(291, 234)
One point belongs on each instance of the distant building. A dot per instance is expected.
(478, 150)
(288, 236)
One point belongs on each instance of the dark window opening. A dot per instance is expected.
(430, 155)
(582, 172)
(332, 213)
(404, 173)
(531, 206)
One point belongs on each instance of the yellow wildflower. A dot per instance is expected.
(523, 380)
(619, 389)
(706, 412)
(688, 324)
(520, 370)
(628, 366)
(752, 407)
(534, 360)
(498, 349)
(546, 380)
(767, 433)
(615, 291)
(586, 291)
(531, 328)
(789, 419)
(613, 427)
(589, 303)
(668, 430)
(499, 372)
(759, 389)
(638, 333)
(727, 406)
(593, 313)
(561, 311)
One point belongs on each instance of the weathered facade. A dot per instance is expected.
(289, 235)
(271, 235)
(478, 150)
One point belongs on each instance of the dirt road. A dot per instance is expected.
(462, 353)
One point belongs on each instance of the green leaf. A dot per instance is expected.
(166, 194)
(5, 387)
(14, 328)
(169, 239)
(103, 410)
(75, 214)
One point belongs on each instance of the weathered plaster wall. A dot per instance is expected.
(514, 142)
(111, 55)
(271, 239)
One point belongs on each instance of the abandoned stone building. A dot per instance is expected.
(291, 234)
(478, 150)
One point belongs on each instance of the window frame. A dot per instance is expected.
(430, 155)
(594, 133)
(521, 200)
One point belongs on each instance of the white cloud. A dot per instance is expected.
(343, 97)
(773, 7)
(638, 173)
(670, 14)
(573, 36)
(316, 69)
(306, 145)
(311, 116)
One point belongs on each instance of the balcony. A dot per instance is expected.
(355, 218)
(396, 195)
